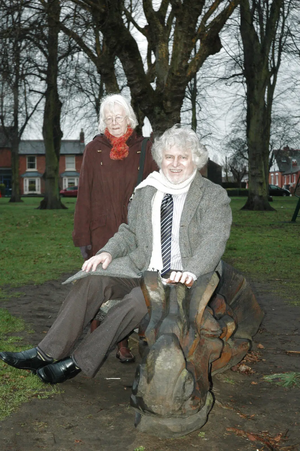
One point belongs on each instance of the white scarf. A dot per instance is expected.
(163, 186)
(161, 183)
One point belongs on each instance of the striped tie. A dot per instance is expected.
(166, 216)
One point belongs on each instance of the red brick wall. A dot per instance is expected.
(5, 158)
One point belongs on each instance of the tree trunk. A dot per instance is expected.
(15, 193)
(258, 137)
(52, 133)
(259, 36)
(172, 32)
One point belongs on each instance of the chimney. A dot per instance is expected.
(81, 136)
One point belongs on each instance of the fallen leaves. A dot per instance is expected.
(272, 443)
(251, 357)
(242, 368)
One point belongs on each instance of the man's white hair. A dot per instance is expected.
(183, 138)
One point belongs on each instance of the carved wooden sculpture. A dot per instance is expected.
(189, 335)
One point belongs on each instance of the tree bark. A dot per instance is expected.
(259, 37)
(15, 192)
(52, 133)
(172, 33)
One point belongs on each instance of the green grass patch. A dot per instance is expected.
(17, 386)
(36, 245)
(264, 245)
(286, 380)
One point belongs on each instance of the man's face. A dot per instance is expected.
(116, 120)
(177, 164)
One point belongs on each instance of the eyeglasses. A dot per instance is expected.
(117, 119)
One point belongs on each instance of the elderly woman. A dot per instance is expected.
(108, 176)
(198, 219)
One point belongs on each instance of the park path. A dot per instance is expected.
(94, 414)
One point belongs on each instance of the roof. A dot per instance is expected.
(36, 147)
(70, 174)
(32, 174)
(288, 160)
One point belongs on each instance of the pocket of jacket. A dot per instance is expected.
(99, 222)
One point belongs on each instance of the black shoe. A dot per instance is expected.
(25, 360)
(59, 371)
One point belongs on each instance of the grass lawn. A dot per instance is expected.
(265, 245)
(36, 246)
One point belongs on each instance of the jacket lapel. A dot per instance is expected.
(192, 201)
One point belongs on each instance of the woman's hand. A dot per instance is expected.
(105, 258)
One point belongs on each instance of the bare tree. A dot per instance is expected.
(263, 32)
(18, 101)
(170, 32)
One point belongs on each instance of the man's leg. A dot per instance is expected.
(118, 323)
(78, 309)
(80, 306)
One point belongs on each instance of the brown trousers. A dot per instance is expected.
(80, 307)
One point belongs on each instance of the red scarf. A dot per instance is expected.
(119, 150)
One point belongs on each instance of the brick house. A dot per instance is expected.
(32, 164)
(285, 171)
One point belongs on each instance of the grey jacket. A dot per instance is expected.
(204, 230)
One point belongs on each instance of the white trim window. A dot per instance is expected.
(31, 162)
(68, 182)
(70, 163)
(32, 185)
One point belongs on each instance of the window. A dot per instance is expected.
(276, 179)
(32, 185)
(70, 163)
(272, 179)
(31, 163)
(70, 181)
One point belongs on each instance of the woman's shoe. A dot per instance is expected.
(124, 355)
(31, 359)
(58, 372)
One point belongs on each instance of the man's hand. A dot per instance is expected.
(181, 277)
(105, 258)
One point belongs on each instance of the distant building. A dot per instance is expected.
(32, 164)
(212, 171)
(285, 171)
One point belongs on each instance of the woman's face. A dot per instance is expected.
(116, 120)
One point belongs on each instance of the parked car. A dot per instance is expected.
(277, 191)
(69, 192)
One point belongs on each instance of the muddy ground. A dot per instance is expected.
(94, 414)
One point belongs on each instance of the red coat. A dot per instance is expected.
(105, 187)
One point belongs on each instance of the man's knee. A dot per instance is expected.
(139, 301)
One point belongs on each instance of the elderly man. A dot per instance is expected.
(178, 225)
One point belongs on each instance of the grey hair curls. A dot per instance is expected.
(184, 138)
(109, 102)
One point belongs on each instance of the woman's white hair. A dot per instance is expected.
(109, 102)
(181, 137)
